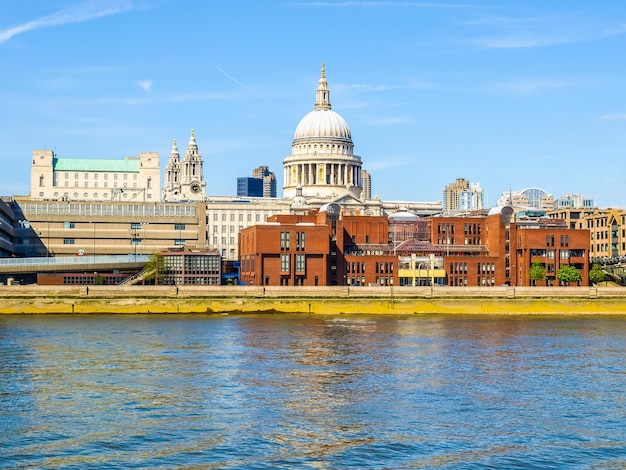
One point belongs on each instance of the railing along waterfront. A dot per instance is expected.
(100, 209)
(74, 260)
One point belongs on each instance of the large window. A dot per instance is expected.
(284, 263)
(284, 240)
(300, 263)
(300, 241)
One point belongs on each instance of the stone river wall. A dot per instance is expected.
(315, 300)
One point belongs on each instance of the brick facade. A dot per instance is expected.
(313, 250)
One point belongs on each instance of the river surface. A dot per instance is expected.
(312, 392)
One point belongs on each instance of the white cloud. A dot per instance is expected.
(614, 117)
(145, 85)
(372, 88)
(520, 41)
(76, 14)
(528, 85)
(368, 4)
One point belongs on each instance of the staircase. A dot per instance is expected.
(140, 276)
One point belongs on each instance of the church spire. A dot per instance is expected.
(174, 152)
(322, 95)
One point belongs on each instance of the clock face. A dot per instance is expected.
(195, 188)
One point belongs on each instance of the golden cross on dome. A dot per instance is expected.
(323, 74)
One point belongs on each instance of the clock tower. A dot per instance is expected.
(184, 180)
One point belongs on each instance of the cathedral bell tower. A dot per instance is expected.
(184, 180)
(171, 188)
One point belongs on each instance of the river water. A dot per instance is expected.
(312, 392)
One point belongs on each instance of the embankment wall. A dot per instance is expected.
(316, 300)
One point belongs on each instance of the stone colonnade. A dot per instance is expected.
(335, 174)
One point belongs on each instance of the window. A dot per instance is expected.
(69, 225)
(284, 263)
(179, 226)
(302, 241)
(300, 263)
(135, 241)
(69, 241)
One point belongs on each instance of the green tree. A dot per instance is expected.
(99, 280)
(537, 272)
(567, 274)
(596, 275)
(155, 269)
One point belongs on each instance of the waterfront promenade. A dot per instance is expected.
(315, 300)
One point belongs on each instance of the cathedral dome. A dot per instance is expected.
(322, 161)
(322, 123)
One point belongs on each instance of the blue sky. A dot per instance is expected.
(510, 94)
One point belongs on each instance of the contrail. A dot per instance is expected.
(245, 87)
(76, 14)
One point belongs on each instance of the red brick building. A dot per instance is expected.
(319, 249)
(552, 245)
(496, 249)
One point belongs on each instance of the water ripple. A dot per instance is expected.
(313, 392)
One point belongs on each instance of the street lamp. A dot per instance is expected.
(94, 240)
(134, 237)
(48, 242)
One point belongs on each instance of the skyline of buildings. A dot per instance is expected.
(322, 171)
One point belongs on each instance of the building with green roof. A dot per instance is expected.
(85, 179)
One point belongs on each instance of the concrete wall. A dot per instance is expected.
(315, 300)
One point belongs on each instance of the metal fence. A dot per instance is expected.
(82, 260)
